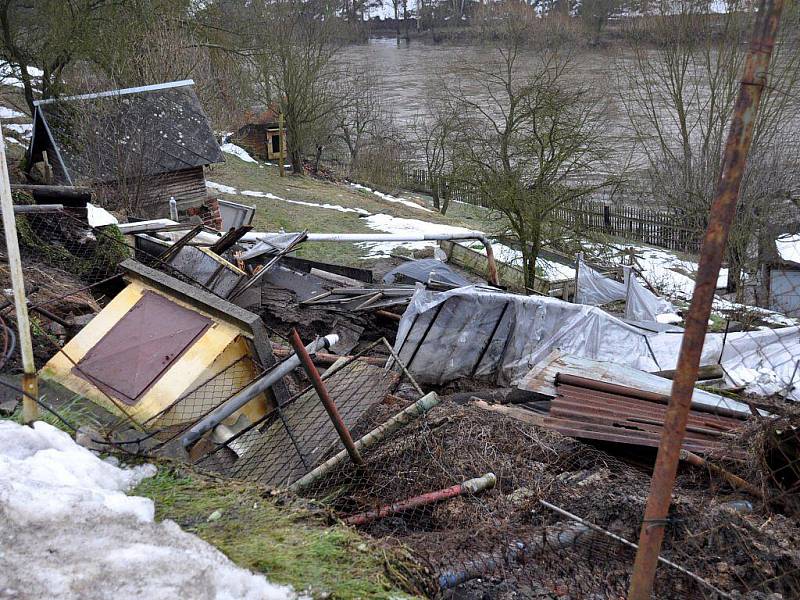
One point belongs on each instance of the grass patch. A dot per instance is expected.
(273, 215)
(287, 543)
(77, 412)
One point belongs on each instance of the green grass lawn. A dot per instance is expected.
(288, 543)
(273, 215)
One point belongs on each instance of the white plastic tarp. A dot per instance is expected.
(480, 332)
(641, 304)
(595, 289)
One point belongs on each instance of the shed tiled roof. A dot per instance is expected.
(126, 133)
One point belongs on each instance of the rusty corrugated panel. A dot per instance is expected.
(136, 352)
(585, 413)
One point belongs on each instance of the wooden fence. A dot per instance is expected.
(649, 226)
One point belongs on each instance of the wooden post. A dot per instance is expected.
(578, 259)
(30, 384)
(281, 141)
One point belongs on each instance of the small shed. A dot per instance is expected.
(165, 352)
(137, 147)
(261, 134)
(781, 274)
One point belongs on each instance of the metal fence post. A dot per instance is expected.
(723, 210)
(30, 384)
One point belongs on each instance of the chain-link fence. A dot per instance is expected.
(489, 503)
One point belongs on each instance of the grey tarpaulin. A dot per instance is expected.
(480, 332)
(641, 304)
(421, 271)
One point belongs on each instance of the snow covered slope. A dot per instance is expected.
(69, 531)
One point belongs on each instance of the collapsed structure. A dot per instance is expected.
(503, 439)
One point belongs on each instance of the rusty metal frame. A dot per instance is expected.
(723, 209)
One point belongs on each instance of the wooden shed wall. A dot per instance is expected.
(188, 186)
(253, 139)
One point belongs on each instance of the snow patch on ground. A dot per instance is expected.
(24, 130)
(788, 247)
(11, 76)
(13, 140)
(221, 187)
(226, 189)
(553, 271)
(238, 152)
(337, 207)
(390, 198)
(10, 113)
(69, 531)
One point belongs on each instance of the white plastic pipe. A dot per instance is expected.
(399, 237)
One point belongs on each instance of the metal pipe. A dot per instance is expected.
(377, 435)
(255, 388)
(554, 537)
(405, 237)
(30, 385)
(323, 358)
(471, 486)
(734, 480)
(26, 209)
(324, 396)
(721, 216)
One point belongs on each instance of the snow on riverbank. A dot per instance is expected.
(69, 531)
(238, 152)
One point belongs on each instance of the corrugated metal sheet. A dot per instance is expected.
(585, 413)
(541, 379)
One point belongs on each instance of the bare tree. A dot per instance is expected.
(530, 141)
(679, 83)
(360, 112)
(174, 49)
(296, 68)
(50, 36)
(433, 135)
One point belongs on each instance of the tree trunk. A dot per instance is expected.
(445, 196)
(297, 162)
(317, 159)
(434, 190)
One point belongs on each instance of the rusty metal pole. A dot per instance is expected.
(723, 210)
(327, 402)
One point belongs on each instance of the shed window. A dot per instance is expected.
(276, 143)
(133, 355)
